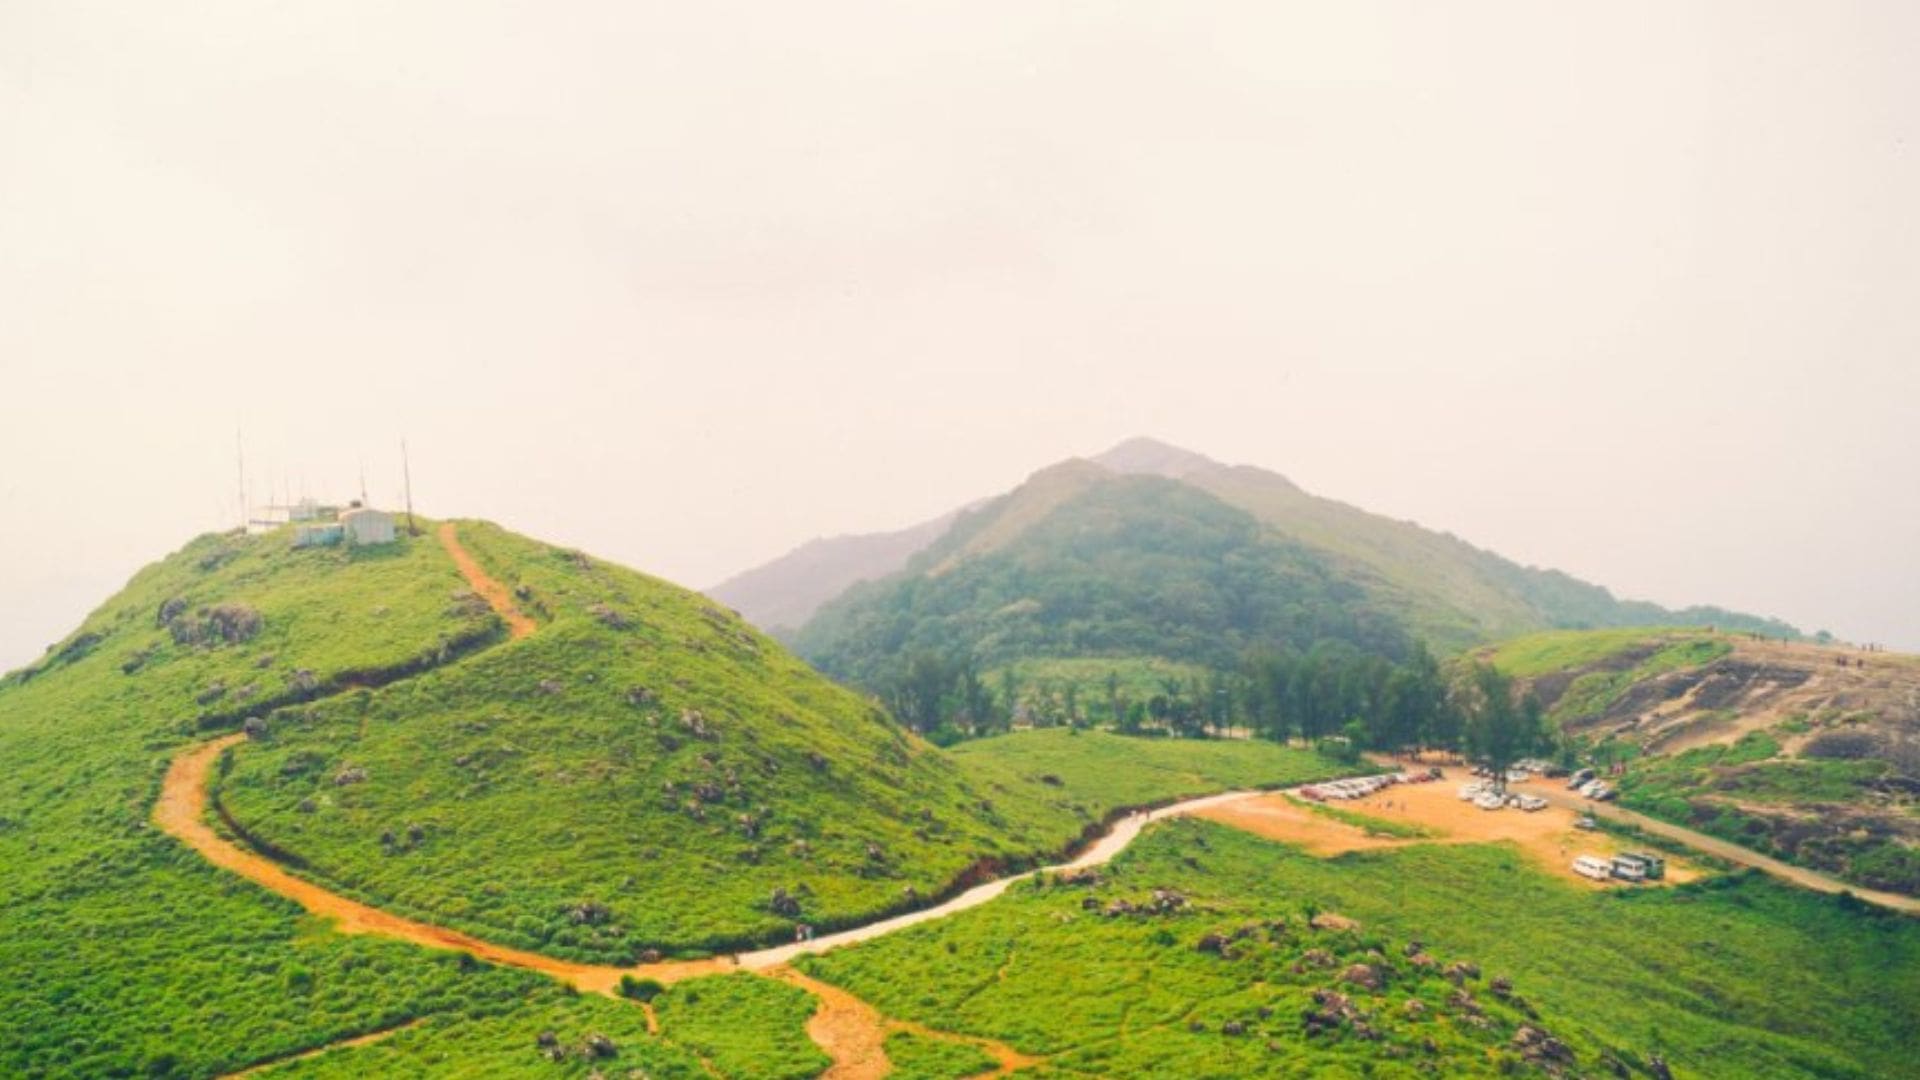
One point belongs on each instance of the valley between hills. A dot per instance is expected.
(467, 804)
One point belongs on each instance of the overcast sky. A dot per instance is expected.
(1632, 290)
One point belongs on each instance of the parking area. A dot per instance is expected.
(1548, 836)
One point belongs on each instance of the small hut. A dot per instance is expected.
(365, 525)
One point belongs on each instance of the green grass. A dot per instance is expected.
(744, 1025)
(917, 1057)
(507, 795)
(1737, 977)
(1097, 771)
(144, 959)
(1373, 826)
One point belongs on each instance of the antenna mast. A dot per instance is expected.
(406, 476)
(240, 467)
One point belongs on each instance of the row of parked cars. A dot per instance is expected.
(1359, 787)
(1487, 796)
(1590, 785)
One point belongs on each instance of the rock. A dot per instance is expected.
(551, 687)
(1319, 958)
(650, 956)
(1089, 903)
(1414, 948)
(415, 833)
(351, 774)
(214, 692)
(1211, 943)
(875, 853)
(254, 727)
(783, 904)
(1118, 907)
(696, 725)
(1657, 1068)
(588, 913)
(598, 1046)
(304, 681)
(1541, 1048)
(547, 1038)
(1364, 975)
(1197, 1026)
(1463, 1002)
(1460, 971)
(306, 806)
(639, 696)
(608, 617)
(1167, 900)
(1233, 1027)
(817, 760)
(171, 608)
(1328, 920)
(1501, 986)
(1051, 780)
(1083, 878)
(1415, 1008)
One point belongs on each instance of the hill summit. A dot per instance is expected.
(1443, 590)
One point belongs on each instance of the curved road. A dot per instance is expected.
(1733, 853)
(848, 1029)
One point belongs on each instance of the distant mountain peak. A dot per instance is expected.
(1143, 455)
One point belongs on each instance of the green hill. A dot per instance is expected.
(1152, 553)
(1807, 752)
(645, 772)
(641, 772)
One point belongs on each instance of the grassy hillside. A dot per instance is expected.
(384, 694)
(1735, 978)
(645, 773)
(1805, 752)
(1091, 564)
(142, 959)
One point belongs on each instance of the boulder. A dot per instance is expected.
(1365, 975)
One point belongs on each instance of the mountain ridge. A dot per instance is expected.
(1453, 593)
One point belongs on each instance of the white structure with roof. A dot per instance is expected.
(365, 525)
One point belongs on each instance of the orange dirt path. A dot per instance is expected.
(358, 1040)
(1547, 837)
(496, 595)
(181, 812)
(850, 1031)
(854, 1033)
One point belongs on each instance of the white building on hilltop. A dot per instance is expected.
(365, 525)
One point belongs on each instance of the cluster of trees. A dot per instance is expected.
(1139, 566)
(1332, 695)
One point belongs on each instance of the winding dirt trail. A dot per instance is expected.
(850, 1031)
(497, 596)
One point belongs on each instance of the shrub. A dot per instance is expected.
(640, 989)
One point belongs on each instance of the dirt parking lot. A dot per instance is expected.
(1547, 836)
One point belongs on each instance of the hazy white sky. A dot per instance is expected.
(1632, 290)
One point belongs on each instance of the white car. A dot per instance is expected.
(1469, 792)
(1530, 803)
(1490, 800)
(1593, 866)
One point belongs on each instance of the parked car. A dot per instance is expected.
(1579, 779)
(1490, 800)
(1593, 866)
(1587, 789)
(1530, 803)
(1606, 793)
(1471, 791)
(1628, 868)
(1585, 821)
(1655, 865)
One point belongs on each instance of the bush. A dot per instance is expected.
(640, 989)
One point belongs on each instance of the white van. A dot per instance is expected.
(1593, 866)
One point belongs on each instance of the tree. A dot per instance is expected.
(1499, 729)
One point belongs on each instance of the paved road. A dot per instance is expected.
(1713, 845)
